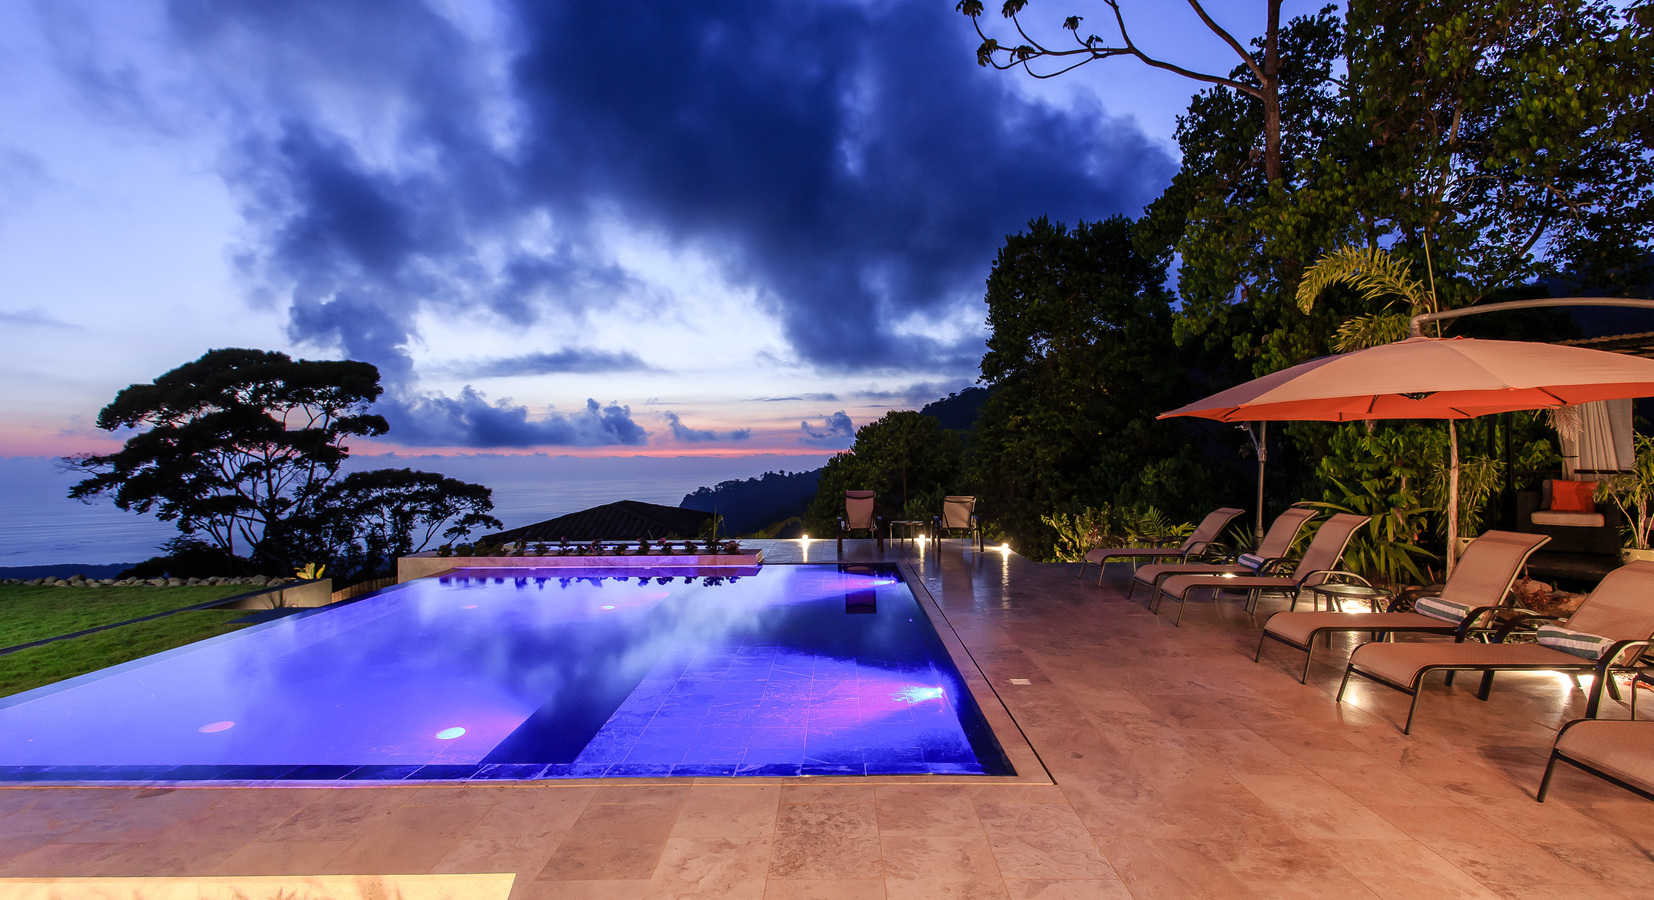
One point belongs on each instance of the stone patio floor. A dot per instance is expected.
(1181, 768)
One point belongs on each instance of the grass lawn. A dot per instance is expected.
(32, 612)
(56, 661)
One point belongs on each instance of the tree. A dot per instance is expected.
(1081, 359)
(238, 446)
(907, 457)
(368, 519)
(1505, 140)
(1257, 77)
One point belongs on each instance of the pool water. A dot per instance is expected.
(784, 670)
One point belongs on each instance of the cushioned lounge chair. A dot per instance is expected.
(1321, 559)
(1197, 542)
(1479, 584)
(1615, 620)
(1270, 555)
(958, 514)
(1614, 750)
(859, 516)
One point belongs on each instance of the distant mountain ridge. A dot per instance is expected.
(753, 504)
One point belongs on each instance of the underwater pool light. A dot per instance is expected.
(448, 734)
(918, 694)
(212, 727)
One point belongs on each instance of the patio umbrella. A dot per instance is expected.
(1431, 378)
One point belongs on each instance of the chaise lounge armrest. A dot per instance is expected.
(1526, 621)
(1606, 665)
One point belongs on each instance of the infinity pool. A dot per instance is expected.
(784, 670)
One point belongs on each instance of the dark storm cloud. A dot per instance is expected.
(469, 420)
(836, 431)
(847, 162)
(572, 360)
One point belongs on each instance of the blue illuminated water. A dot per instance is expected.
(787, 670)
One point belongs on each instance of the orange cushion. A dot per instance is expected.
(1573, 496)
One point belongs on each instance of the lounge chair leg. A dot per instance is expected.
(1132, 589)
(1413, 708)
(1182, 604)
(1262, 636)
(1309, 653)
(1545, 781)
(1614, 689)
(1343, 684)
(1101, 569)
(1449, 679)
(1487, 685)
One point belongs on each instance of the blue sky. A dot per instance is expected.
(733, 226)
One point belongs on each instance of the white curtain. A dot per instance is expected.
(1596, 438)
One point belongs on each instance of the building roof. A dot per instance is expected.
(626, 520)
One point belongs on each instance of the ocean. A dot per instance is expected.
(39, 525)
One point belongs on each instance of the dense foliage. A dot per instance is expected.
(906, 457)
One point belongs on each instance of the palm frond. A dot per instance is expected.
(1370, 270)
(1362, 332)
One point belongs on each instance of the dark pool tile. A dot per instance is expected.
(704, 770)
(808, 769)
(900, 768)
(192, 773)
(257, 773)
(768, 770)
(37, 773)
(381, 773)
(639, 770)
(585, 770)
(507, 772)
(888, 756)
(442, 773)
(955, 768)
(834, 756)
(320, 773)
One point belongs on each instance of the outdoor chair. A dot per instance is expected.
(958, 514)
(1270, 555)
(1197, 542)
(1614, 750)
(1617, 618)
(859, 516)
(1480, 584)
(1321, 559)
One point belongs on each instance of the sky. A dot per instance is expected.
(729, 227)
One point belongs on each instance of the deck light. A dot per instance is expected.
(448, 734)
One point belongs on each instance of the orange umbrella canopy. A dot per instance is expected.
(1431, 378)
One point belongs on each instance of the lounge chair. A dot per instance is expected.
(1321, 558)
(1197, 542)
(1614, 750)
(859, 516)
(958, 514)
(1270, 555)
(1479, 584)
(1616, 618)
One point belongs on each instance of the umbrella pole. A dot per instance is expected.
(1261, 439)
(1452, 496)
